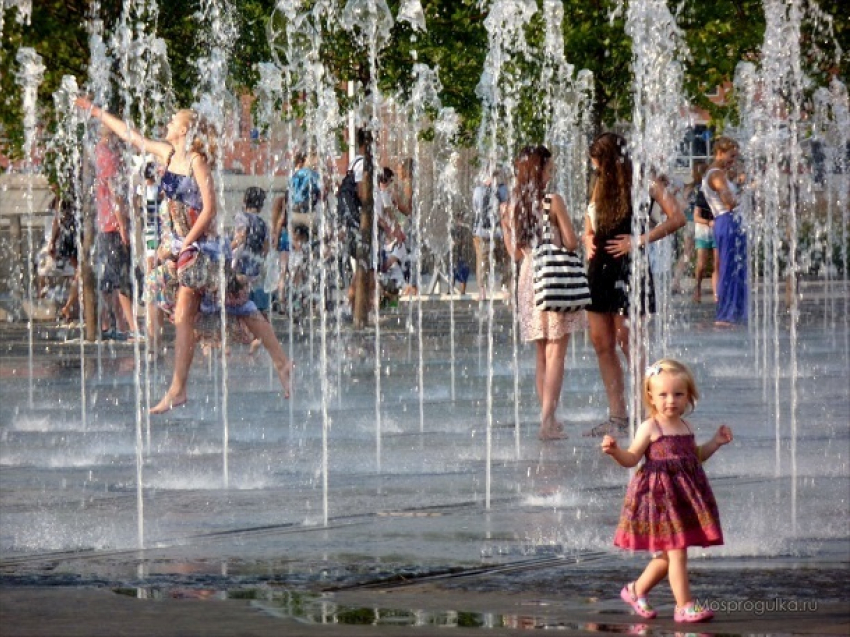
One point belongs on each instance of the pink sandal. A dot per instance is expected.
(638, 604)
(692, 614)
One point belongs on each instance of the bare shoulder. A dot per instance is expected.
(643, 436)
(716, 178)
(659, 188)
(558, 206)
(556, 200)
(646, 430)
(198, 163)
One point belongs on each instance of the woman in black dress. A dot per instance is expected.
(609, 240)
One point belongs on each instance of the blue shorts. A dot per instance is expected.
(461, 272)
(260, 298)
(283, 241)
(704, 237)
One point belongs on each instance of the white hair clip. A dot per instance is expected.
(653, 370)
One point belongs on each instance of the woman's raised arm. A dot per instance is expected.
(124, 131)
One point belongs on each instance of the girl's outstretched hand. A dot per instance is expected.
(609, 444)
(723, 436)
(83, 103)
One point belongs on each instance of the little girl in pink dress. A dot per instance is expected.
(669, 504)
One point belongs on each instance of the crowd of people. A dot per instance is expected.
(178, 279)
(192, 277)
(288, 284)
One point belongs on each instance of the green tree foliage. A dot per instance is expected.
(595, 39)
(719, 34)
(57, 33)
(722, 33)
(455, 43)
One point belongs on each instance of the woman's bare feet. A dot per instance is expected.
(255, 345)
(284, 373)
(169, 402)
(551, 434)
(552, 431)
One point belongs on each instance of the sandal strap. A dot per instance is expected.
(640, 600)
(614, 424)
(620, 422)
(601, 429)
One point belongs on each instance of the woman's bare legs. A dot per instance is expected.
(606, 332)
(262, 330)
(281, 283)
(540, 369)
(549, 380)
(699, 274)
(185, 312)
(154, 327)
(702, 271)
(70, 308)
(126, 305)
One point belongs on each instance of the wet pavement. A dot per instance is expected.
(437, 515)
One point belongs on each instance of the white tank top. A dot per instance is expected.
(591, 213)
(712, 198)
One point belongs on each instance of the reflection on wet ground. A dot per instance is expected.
(545, 613)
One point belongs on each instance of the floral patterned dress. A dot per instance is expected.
(182, 209)
(669, 503)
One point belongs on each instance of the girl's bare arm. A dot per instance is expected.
(508, 235)
(569, 240)
(630, 457)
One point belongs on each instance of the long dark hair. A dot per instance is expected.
(612, 193)
(529, 189)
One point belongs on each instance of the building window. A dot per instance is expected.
(695, 146)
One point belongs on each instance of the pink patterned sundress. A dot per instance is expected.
(669, 503)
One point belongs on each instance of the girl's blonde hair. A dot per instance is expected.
(675, 368)
(202, 135)
(724, 144)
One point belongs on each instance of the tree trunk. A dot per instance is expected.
(88, 302)
(363, 273)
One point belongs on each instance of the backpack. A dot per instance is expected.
(348, 202)
(484, 219)
(305, 190)
(255, 235)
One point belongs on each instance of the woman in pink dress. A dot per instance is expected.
(521, 226)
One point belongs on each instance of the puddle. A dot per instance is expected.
(323, 609)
